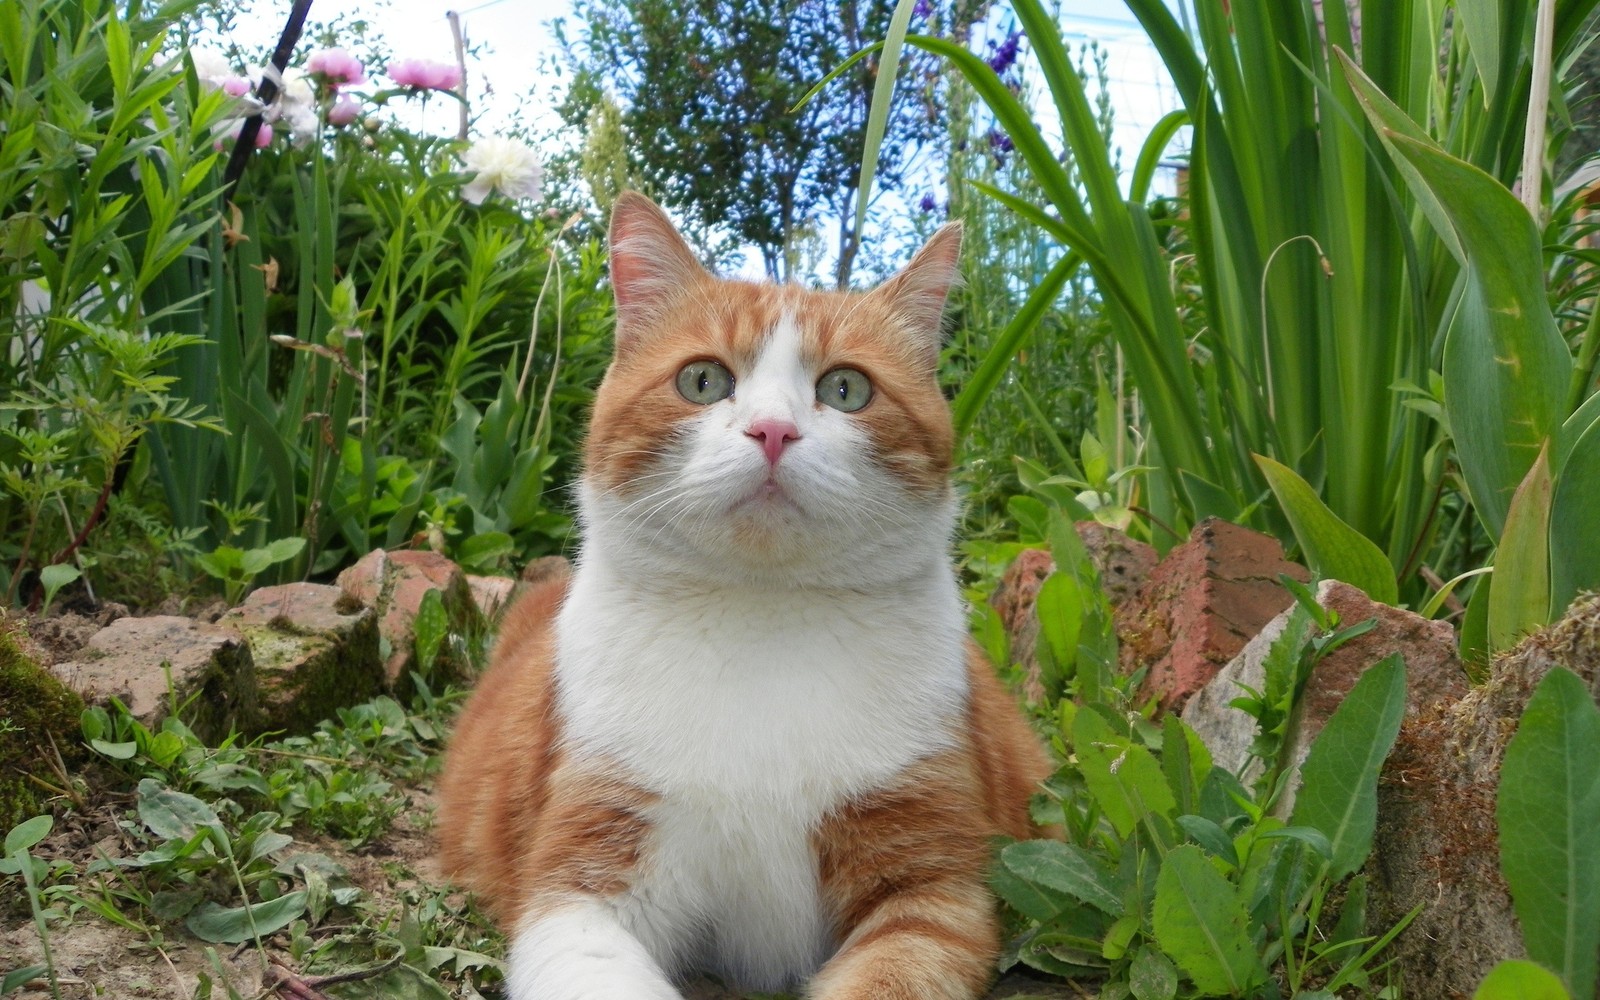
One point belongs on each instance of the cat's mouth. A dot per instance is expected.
(769, 495)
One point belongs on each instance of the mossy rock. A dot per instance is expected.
(1436, 842)
(35, 709)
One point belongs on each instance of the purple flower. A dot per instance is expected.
(928, 204)
(338, 66)
(424, 74)
(1005, 54)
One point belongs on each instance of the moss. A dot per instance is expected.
(32, 704)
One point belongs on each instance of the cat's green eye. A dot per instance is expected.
(844, 389)
(704, 382)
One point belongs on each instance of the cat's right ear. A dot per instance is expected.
(651, 265)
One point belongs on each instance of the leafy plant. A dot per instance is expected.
(1172, 872)
(236, 568)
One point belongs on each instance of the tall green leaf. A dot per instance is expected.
(1199, 920)
(1575, 523)
(1548, 811)
(1333, 548)
(1521, 601)
(1339, 780)
(1506, 365)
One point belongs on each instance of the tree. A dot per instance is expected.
(707, 90)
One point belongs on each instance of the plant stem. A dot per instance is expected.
(25, 861)
(1588, 355)
(1538, 103)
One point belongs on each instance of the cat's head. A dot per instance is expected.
(762, 432)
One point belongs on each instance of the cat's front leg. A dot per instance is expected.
(905, 872)
(580, 950)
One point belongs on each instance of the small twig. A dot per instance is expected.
(291, 985)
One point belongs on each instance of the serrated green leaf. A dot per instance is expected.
(1123, 776)
(1339, 780)
(1548, 810)
(1211, 837)
(1065, 868)
(1199, 920)
(1334, 549)
(237, 924)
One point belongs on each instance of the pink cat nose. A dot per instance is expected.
(773, 435)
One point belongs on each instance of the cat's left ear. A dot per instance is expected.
(917, 293)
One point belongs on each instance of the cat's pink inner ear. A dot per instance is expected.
(650, 264)
(917, 294)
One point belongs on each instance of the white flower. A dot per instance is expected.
(502, 164)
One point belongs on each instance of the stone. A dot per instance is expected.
(314, 651)
(1436, 841)
(151, 663)
(393, 584)
(1434, 676)
(1122, 562)
(38, 721)
(491, 594)
(1200, 605)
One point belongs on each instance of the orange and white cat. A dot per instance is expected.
(749, 735)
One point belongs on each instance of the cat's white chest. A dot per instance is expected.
(752, 717)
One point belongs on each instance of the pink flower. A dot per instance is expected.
(344, 111)
(425, 74)
(263, 137)
(337, 65)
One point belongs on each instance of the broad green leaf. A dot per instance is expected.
(1339, 780)
(174, 815)
(1522, 561)
(236, 924)
(1575, 523)
(1039, 903)
(1506, 365)
(283, 549)
(1059, 609)
(1199, 921)
(1516, 979)
(1548, 811)
(1152, 975)
(1334, 549)
(1124, 777)
(27, 833)
(1065, 868)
